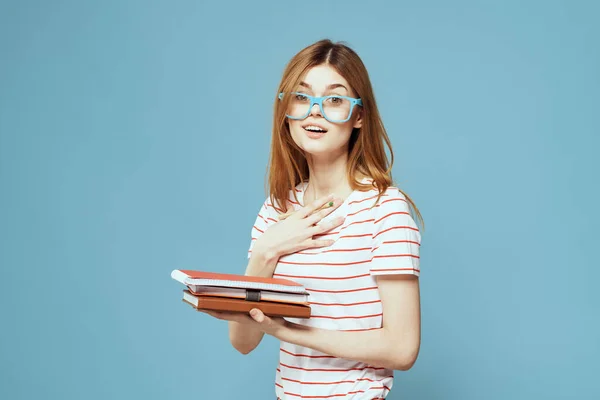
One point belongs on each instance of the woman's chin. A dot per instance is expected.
(317, 147)
(320, 148)
(321, 151)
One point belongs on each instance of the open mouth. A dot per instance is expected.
(314, 129)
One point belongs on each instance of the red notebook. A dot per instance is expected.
(269, 308)
(241, 293)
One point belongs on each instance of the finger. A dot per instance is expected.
(319, 215)
(289, 213)
(314, 206)
(327, 226)
(281, 217)
(258, 316)
(317, 243)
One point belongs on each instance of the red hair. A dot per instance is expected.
(366, 152)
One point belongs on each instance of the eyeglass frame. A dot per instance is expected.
(319, 101)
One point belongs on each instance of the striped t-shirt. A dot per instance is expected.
(343, 291)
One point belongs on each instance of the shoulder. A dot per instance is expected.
(393, 214)
(375, 201)
(392, 195)
(384, 210)
(394, 199)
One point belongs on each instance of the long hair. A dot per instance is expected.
(366, 152)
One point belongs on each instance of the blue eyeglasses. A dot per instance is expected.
(334, 108)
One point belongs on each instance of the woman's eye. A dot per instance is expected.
(335, 100)
(300, 97)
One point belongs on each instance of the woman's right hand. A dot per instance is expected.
(296, 232)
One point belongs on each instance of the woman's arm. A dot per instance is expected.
(395, 346)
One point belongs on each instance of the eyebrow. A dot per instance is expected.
(330, 87)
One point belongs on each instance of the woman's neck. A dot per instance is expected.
(327, 177)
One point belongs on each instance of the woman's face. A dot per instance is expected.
(315, 134)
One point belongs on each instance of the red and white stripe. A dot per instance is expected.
(379, 239)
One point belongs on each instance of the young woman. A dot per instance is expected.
(359, 259)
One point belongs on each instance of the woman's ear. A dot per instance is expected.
(358, 122)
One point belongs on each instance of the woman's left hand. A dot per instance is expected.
(256, 318)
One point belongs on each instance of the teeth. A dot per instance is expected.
(314, 128)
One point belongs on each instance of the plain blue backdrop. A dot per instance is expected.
(134, 137)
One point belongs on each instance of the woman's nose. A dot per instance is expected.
(315, 110)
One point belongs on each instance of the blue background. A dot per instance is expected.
(125, 153)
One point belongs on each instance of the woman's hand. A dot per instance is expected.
(296, 232)
(255, 318)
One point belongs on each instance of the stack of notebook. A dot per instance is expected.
(240, 293)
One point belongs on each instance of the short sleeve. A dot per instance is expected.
(396, 237)
(264, 220)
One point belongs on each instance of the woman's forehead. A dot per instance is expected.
(323, 77)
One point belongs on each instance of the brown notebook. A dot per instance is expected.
(269, 308)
